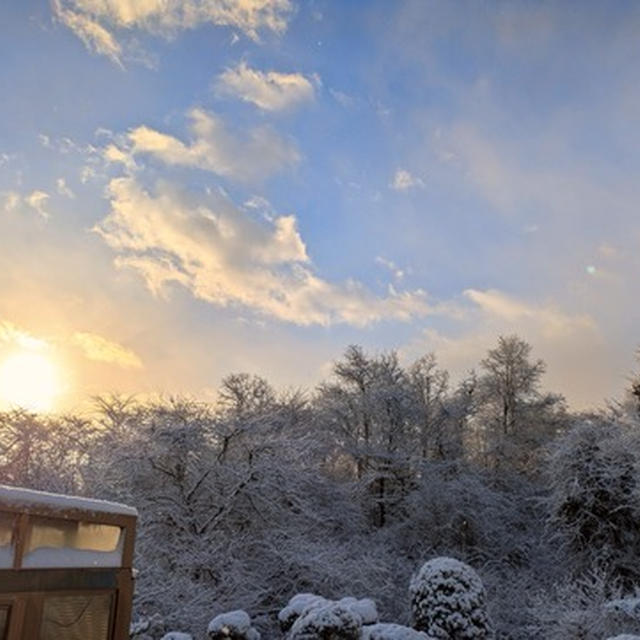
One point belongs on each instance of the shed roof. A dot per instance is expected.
(19, 497)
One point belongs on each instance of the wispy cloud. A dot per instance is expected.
(98, 348)
(271, 90)
(571, 343)
(253, 156)
(63, 189)
(37, 200)
(94, 36)
(227, 257)
(403, 180)
(14, 335)
(14, 201)
(96, 23)
(548, 319)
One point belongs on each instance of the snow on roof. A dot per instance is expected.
(18, 497)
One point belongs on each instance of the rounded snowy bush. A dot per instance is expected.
(448, 601)
(303, 604)
(233, 625)
(297, 606)
(332, 621)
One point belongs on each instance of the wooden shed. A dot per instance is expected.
(65, 567)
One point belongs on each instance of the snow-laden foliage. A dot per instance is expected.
(448, 601)
(232, 625)
(303, 603)
(330, 621)
(629, 607)
(392, 631)
(300, 603)
(263, 495)
(590, 607)
(594, 474)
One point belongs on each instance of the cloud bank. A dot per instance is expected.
(226, 257)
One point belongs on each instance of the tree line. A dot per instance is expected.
(346, 489)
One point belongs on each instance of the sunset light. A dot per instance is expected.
(29, 380)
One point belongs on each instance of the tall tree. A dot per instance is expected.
(510, 380)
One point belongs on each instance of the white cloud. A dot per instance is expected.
(11, 199)
(271, 90)
(14, 335)
(63, 189)
(549, 320)
(397, 272)
(37, 200)
(343, 99)
(251, 157)
(572, 345)
(95, 37)
(403, 180)
(98, 348)
(95, 21)
(225, 256)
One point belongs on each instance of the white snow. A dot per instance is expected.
(18, 497)
(303, 603)
(365, 608)
(390, 631)
(331, 620)
(233, 623)
(628, 606)
(300, 603)
(624, 636)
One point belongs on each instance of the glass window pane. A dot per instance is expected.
(78, 617)
(4, 621)
(53, 542)
(7, 521)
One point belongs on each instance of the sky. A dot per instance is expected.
(190, 189)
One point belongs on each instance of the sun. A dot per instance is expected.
(29, 380)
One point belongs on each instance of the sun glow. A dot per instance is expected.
(29, 380)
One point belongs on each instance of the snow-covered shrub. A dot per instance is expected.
(233, 625)
(177, 635)
(448, 601)
(300, 603)
(303, 603)
(331, 621)
(365, 608)
(390, 631)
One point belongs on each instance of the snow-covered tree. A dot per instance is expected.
(515, 418)
(430, 386)
(594, 475)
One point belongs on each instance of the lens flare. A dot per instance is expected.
(30, 381)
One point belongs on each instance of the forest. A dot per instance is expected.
(348, 488)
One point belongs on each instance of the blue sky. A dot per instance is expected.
(193, 188)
